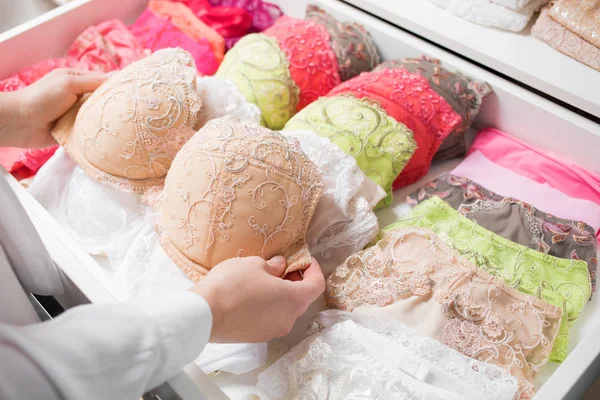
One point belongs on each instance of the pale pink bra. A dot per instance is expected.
(237, 190)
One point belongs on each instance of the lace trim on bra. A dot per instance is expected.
(362, 129)
(409, 99)
(313, 65)
(230, 155)
(261, 72)
(343, 222)
(352, 44)
(564, 283)
(159, 112)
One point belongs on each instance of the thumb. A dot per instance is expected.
(276, 266)
(79, 82)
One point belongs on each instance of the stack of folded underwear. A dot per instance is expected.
(510, 15)
(573, 28)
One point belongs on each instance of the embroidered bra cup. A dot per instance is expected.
(128, 131)
(514, 219)
(380, 145)
(379, 359)
(352, 44)
(261, 72)
(312, 62)
(564, 283)
(237, 190)
(463, 93)
(412, 276)
(408, 99)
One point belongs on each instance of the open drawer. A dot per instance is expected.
(511, 108)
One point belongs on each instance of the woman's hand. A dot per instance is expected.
(251, 303)
(28, 115)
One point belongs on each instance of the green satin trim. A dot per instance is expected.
(561, 282)
(362, 129)
(261, 72)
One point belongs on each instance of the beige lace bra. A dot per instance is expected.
(413, 277)
(128, 131)
(237, 190)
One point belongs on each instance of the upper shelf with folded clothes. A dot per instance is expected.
(520, 56)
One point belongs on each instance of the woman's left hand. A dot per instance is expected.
(28, 115)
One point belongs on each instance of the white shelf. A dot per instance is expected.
(519, 56)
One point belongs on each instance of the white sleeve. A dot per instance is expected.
(116, 351)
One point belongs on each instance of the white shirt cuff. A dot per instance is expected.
(184, 322)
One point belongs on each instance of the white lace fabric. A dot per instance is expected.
(362, 357)
(512, 4)
(343, 222)
(492, 14)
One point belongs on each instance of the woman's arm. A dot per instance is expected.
(114, 351)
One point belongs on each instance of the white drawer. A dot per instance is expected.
(511, 108)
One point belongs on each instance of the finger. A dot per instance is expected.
(313, 282)
(81, 82)
(276, 265)
(295, 276)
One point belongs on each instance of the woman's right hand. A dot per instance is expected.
(251, 303)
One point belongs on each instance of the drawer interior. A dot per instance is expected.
(512, 109)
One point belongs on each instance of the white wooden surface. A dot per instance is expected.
(518, 55)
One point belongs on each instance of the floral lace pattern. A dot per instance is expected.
(564, 283)
(187, 22)
(156, 33)
(408, 99)
(261, 72)
(565, 41)
(352, 44)
(343, 222)
(313, 65)
(581, 17)
(464, 94)
(362, 358)
(533, 228)
(129, 130)
(380, 145)
(468, 309)
(238, 190)
(105, 47)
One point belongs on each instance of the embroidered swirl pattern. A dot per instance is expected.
(313, 65)
(380, 145)
(261, 72)
(408, 99)
(129, 130)
(564, 283)
(238, 190)
(484, 318)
